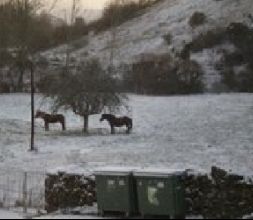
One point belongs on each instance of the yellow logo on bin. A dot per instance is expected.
(152, 196)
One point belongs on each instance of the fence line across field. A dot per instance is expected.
(22, 189)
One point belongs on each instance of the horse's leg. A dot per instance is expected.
(128, 129)
(46, 126)
(130, 125)
(112, 129)
(63, 125)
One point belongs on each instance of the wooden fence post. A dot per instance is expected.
(25, 193)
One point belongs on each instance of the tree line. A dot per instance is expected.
(25, 21)
(25, 30)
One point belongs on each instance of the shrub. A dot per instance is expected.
(204, 41)
(239, 35)
(4, 88)
(197, 19)
(242, 37)
(238, 82)
(234, 59)
(5, 58)
(168, 38)
(238, 32)
(229, 79)
(245, 81)
(190, 76)
(163, 75)
(77, 44)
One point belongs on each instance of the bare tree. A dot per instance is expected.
(18, 27)
(25, 30)
(86, 92)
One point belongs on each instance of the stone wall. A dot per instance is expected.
(219, 196)
(68, 191)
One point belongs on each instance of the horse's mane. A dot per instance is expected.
(41, 112)
(109, 115)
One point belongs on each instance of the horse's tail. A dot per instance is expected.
(130, 123)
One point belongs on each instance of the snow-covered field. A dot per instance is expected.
(181, 132)
(4, 214)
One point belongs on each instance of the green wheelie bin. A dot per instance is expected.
(116, 191)
(160, 193)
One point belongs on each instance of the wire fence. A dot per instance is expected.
(24, 191)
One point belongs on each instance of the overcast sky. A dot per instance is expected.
(63, 6)
(91, 4)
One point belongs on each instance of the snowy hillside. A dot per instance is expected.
(145, 34)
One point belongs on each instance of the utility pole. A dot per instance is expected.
(32, 107)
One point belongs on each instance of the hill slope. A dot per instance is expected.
(145, 34)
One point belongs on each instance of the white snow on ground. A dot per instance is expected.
(4, 214)
(68, 217)
(144, 34)
(8, 214)
(180, 132)
(248, 216)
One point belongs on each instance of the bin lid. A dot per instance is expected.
(114, 171)
(158, 172)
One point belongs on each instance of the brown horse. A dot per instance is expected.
(118, 122)
(51, 119)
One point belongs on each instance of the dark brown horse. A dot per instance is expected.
(118, 122)
(51, 119)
